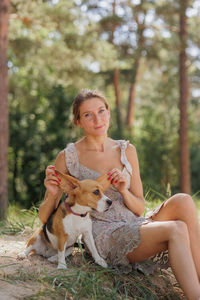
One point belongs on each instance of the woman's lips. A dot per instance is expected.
(99, 127)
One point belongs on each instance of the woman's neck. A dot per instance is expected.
(97, 144)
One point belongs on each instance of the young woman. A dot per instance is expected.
(122, 235)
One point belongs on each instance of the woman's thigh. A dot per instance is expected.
(154, 239)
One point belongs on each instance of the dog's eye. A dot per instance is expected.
(96, 192)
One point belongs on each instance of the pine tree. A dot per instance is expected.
(4, 17)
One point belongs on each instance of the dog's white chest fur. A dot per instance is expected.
(73, 226)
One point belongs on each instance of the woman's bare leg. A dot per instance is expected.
(171, 235)
(182, 207)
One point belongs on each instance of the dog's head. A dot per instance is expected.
(86, 192)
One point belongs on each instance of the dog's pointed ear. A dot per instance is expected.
(104, 182)
(67, 183)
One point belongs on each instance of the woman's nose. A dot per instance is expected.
(96, 118)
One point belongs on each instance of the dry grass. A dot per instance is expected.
(36, 278)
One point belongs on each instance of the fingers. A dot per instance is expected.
(49, 170)
(115, 175)
(51, 176)
(48, 182)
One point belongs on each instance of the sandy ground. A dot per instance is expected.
(12, 270)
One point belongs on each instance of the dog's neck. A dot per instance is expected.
(78, 210)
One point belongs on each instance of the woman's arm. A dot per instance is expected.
(53, 192)
(133, 197)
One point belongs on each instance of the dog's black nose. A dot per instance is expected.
(109, 202)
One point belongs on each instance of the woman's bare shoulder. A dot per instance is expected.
(131, 152)
(131, 148)
(60, 163)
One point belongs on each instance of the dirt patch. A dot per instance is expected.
(13, 271)
(23, 279)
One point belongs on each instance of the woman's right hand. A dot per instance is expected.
(51, 181)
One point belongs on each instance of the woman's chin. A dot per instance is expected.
(101, 131)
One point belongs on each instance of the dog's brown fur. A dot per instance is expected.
(80, 194)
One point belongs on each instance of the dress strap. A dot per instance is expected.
(123, 146)
(71, 159)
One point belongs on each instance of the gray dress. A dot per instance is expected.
(117, 231)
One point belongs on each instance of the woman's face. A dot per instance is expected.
(94, 117)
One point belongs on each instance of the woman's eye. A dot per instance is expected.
(87, 115)
(102, 110)
(96, 192)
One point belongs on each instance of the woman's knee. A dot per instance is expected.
(179, 230)
(183, 201)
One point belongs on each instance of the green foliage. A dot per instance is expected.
(38, 133)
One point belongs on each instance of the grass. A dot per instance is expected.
(18, 220)
(84, 279)
(89, 281)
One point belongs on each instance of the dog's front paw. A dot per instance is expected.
(62, 266)
(100, 261)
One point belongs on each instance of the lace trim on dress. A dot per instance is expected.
(128, 236)
(72, 160)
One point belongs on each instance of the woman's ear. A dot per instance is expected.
(78, 123)
(109, 113)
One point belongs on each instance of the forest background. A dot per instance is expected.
(129, 50)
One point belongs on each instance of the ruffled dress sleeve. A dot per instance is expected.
(123, 146)
(71, 160)
(127, 170)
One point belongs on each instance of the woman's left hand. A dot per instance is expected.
(118, 179)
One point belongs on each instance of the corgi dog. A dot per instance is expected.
(71, 219)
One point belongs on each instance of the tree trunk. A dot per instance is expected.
(4, 18)
(116, 80)
(185, 183)
(131, 98)
(116, 83)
